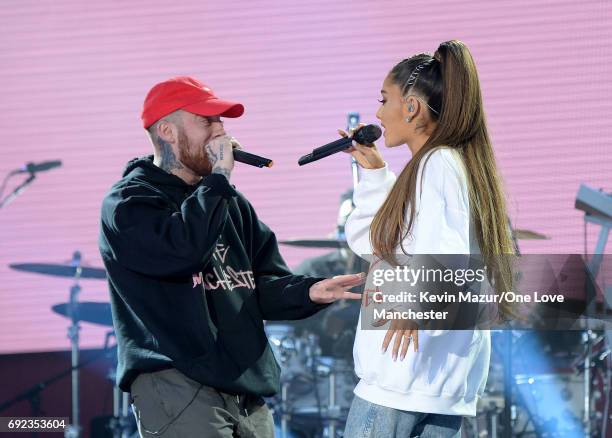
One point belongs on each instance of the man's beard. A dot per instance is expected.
(196, 159)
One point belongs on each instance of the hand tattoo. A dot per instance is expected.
(212, 156)
(216, 160)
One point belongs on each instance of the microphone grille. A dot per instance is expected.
(368, 134)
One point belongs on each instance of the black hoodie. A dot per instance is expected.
(192, 275)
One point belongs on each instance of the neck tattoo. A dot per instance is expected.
(168, 160)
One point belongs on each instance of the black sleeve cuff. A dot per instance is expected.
(218, 184)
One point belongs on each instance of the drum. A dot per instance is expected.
(316, 391)
(287, 348)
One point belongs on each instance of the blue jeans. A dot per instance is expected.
(368, 420)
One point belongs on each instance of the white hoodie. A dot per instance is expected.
(449, 371)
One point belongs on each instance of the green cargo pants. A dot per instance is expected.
(169, 404)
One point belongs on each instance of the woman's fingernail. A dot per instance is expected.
(402, 356)
(383, 350)
(395, 357)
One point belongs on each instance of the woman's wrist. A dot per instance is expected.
(377, 175)
(379, 167)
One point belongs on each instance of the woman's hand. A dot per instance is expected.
(403, 330)
(367, 156)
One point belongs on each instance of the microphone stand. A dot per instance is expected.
(352, 122)
(32, 394)
(17, 191)
(354, 262)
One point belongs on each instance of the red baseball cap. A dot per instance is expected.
(188, 94)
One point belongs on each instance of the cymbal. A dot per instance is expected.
(337, 243)
(529, 235)
(59, 270)
(316, 243)
(88, 311)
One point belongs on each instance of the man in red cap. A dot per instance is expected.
(182, 106)
(192, 275)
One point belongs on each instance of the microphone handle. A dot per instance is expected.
(251, 159)
(333, 147)
(327, 150)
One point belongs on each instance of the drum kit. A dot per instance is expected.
(316, 390)
(121, 424)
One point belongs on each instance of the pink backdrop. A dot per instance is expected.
(74, 74)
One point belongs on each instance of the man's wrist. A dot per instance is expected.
(222, 171)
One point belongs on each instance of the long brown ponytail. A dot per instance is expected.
(448, 81)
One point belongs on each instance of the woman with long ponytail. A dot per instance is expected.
(448, 199)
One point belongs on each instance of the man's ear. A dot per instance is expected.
(167, 131)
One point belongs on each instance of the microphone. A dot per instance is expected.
(248, 158)
(367, 134)
(252, 159)
(37, 167)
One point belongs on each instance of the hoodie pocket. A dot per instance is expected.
(452, 364)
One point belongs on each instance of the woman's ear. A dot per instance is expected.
(410, 108)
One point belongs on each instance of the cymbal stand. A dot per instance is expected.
(492, 420)
(74, 430)
(120, 423)
(333, 409)
(285, 416)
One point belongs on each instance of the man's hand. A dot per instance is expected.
(403, 330)
(337, 288)
(221, 155)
